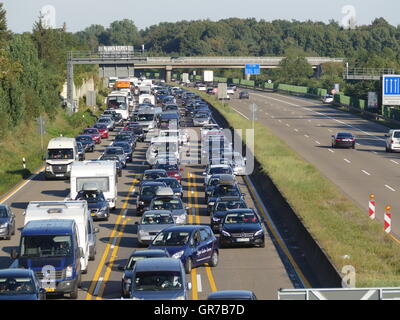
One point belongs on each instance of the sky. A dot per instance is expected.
(79, 14)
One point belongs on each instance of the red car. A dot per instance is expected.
(102, 129)
(173, 170)
(94, 133)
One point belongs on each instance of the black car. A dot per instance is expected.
(343, 140)
(223, 190)
(213, 182)
(97, 203)
(174, 184)
(117, 161)
(127, 149)
(117, 117)
(125, 137)
(128, 268)
(221, 207)
(20, 284)
(241, 227)
(147, 192)
(244, 95)
(7, 222)
(81, 151)
(87, 142)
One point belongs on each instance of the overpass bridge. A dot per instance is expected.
(124, 64)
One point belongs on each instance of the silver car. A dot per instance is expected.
(200, 119)
(117, 151)
(165, 200)
(152, 223)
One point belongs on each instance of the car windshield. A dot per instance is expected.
(201, 115)
(91, 197)
(104, 120)
(220, 170)
(154, 218)
(116, 151)
(90, 131)
(55, 154)
(100, 126)
(84, 139)
(16, 285)
(345, 136)
(171, 238)
(396, 134)
(3, 212)
(230, 205)
(158, 281)
(145, 117)
(241, 218)
(172, 183)
(167, 204)
(167, 167)
(149, 191)
(226, 191)
(123, 137)
(46, 246)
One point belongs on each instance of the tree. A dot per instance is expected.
(5, 34)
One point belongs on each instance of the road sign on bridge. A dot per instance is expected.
(252, 69)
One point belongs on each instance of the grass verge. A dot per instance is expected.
(339, 226)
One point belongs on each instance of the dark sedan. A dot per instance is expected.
(244, 95)
(97, 203)
(241, 227)
(87, 142)
(222, 207)
(343, 140)
(117, 161)
(7, 222)
(20, 284)
(127, 149)
(146, 193)
(174, 184)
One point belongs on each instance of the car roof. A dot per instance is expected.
(158, 264)
(154, 171)
(231, 294)
(244, 210)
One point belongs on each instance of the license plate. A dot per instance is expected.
(147, 237)
(59, 175)
(93, 214)
(50, 290)
(243, 240)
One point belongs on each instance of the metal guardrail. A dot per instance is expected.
(366, 73)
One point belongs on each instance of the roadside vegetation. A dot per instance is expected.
(343, 230)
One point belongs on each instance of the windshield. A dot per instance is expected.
(46, 246)
(149, 191)
(172, 183)
(201, 115)
(220, 170)
(91, 131)
(90, 197)
(154, 175)
(16, 286)
(226, 191)
(345, 136)
(145, 117)
(116, 151)
(157, 219)
(171, 238)
(168, 167)
(104, 120)
(230, 205)
(3, 212)
(55, 154)
(167, 204)
(84, 139)
(158, 281)
(100, 126)
(241, 218)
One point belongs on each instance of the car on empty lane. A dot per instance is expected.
(343, 140)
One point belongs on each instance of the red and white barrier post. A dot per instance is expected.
(372, 207)
(388, 220)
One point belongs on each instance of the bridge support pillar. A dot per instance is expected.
(168, 73)
(247, 77)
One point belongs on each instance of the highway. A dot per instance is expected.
(307, 126)
(258, 269)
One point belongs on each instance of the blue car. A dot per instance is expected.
(20, 284)
(194, 245)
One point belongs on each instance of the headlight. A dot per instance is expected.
(48, 168)
(180, 298)
(177, 193)
(227, 234)
(69, 272)
(178, 255)
(141, 202)
(211, 204)
(4, 225)
(259, 232)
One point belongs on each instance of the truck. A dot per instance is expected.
(102, 173)
(208, 76)
(62, 152)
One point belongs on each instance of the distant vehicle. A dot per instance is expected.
(127, 149)
(146, 193)
(117, 117)
(328, 98)
(94, 133)
(128, 138)
(87, 142)
(7, 222)
(116, 151)
(201, 119)
(97, 203)
(166, 200)
(194, 245)
(224, 189)
(20, 284)
(232, 295)
(241, 227)
(392, 140)
(115, 159)
(108, 121)
(343, 140)
(61, 153)
(151, 223)
(216, 169)
(208, 76)
(119, 102)
(244, 95)
(172, 169)
(230, 90)
(128, 268)
(159, 279)
(153, 174)
(81, 151)
(174, 184)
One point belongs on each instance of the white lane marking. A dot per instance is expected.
(199, 286)
(113, 243)
(394, 161)
(296, 130)
(98, 285)
(125, 212)
(348, 161)
(287, 125)
(367, 173)
(306, 136)
(330, 130)
(241, 114)
(390, 188)
(317, 142)
(330, 150)
(280, 121)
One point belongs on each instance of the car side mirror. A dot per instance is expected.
(14, 254)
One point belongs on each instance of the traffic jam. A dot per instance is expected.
(186, 155)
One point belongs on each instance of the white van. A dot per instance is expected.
(62, 152)
(103, 173)
(147, 98)
(392, 141)
(119, 101)
(68, 210)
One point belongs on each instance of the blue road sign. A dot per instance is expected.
(252, 69)
(391, 90)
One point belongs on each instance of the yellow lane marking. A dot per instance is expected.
(189, 195)
(282, 245)
(195, 295)
(106, 251)
(112, 258)
(211, 279)
(394, 238)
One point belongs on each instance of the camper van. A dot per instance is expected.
(147, 98)
(62, 152)
(103, 173)
(119, 101)
(68, 210)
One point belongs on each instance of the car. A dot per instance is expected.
(81, 151)
(221, 207)
(151, 223)
(232, 295)
(147, 191)
(153, 174)
(219, 168)
(194, 245)
(117, 162)
(214, 181)
(7, 222)
(241, 227)
(171, 168)
(136, 129)
(174, 184)
(116, 151)
(97, 203)
(128, 138)
(392, 141)
(126, 146)
(95, 133)
(117, 117)
(166, 200)
(343, 140)
(159, 279)
(102, 129)
(223, 189)
(128, 267)
(201, 118)
(87, 142)
(328, 98)
(230, 90)
(244, 95)
(108, 121)
(20, 284)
